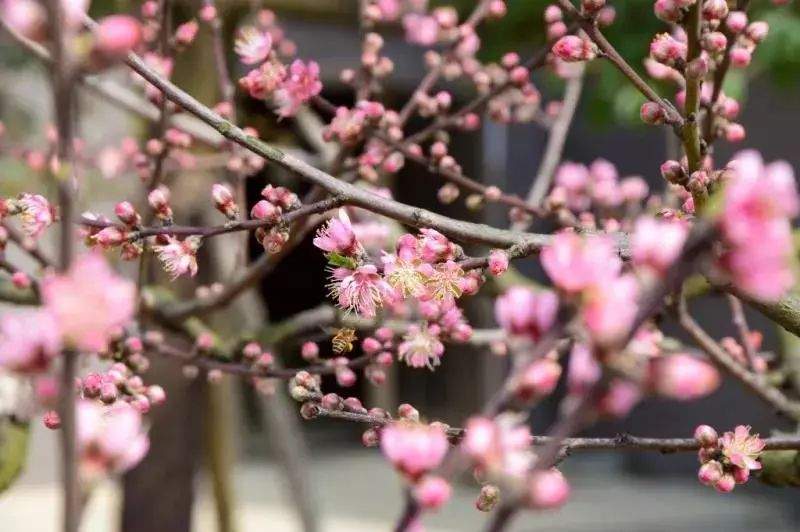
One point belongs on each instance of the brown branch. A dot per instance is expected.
(756, 383)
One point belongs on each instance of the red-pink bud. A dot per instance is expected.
(432, 492)
(572, 48)
(715, 9)
(309, 351)
(741, 475)
(331, 401)
(725, 484)
(252, 350)
(652, 113)
(52, 420)
(710, 473)
(266, 211)
(757, 31)
(740, 56)
(714, 42)
(735, 132)
(117, 35)
(127, 214)
(21, 280)
(406, 411)
(547, 489)
(706, 435)
(736, 21)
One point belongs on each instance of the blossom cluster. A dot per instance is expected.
(727, 460)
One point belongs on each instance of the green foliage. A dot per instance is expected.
(340, 261)
(14, 438)
(780, 468)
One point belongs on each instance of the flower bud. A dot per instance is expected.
(740, 56)
(224, 201)
(266, 211)
(432, 492)
(572, 48)
(370, 438)
(353, 404)
(406, 411)
(715, 9)
(21, 280)
(710, 473)
(116, 35)
(591, 6)
(52, 420)
(697, 68)
(757, 31)
(706, 435)
(725, 484)
(736, 21)
(108, 393)
(331, 401)
(127, 214)
(488, 498)
(547, 489)
(652, 113)
(309, 410)
(309, 351)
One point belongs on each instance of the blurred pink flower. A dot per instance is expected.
(523, 311)
(88, 302)
(574, 262)
(500, 446)
(252, 45)
(609, 308)
(421, 29)
(29, 340)
(432, 492)
(36, 214)
(655, 244)
(741, 448)
(414, 448)
(301, 84)
(110, 439)
(683, 377)
(547, 489)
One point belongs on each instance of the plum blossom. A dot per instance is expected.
(526, 312)
(741, 448)
(36, 214)
(421, 29)
(300, 85)
(575, 263)
(110, 439)
(655, 244)
(252, 45)
(29, 340)
(414, 448)
(263, 81)
(500, 446)
(609, 308)
(28, 17)
(362, 290)
(759, 200)
(683, 377)
(547, 489)
(421, 347)
(179, 257)
(337, 236)
(432, 492)
(88, 302)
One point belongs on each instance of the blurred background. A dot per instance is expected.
(224, 458)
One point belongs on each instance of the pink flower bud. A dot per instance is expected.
(21, 280)
(309, 351)
(331, 401)
(547, 489)
(572, 48)
(697, 68)
(736, 21)
(108, 392)
(370, 438)
(156, 394)
(371, 345)
(735, 132)
(432, 492)
(715, 9)
(208, 13)
(345, 377)
(186, 33)
(714, 41)
(667, 10)
(592, 5)
(740, 57)
(741, 475)
(406, 411)
(52, 420)
(204, 341)
(252, 350)
(498, 262)
(538, 380)
(710, 473)
(683, 377)
(725, 484)
(127, 214)
(552, 13)
(757, 31)
(706, 435)
(266, 211)
(117, 35)
(652, 113)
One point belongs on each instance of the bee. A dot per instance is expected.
(343, 340)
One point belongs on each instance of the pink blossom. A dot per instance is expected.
(547, 489)
(110, 439)
(683, 377)
(362, 290)
(498, 262)
(301, 84)
(27, 17)
(609, 308)
(414, 448)
(252, 45)
(186, 33)
(29, 340)
(620, 398)
(88, 302)
(574, 179)
(224, 201)
(432, 492)
(263, 81)
(420, 347)
(36, 214)
(575, 263)
(759, 200)
(117, 35)
(501, 446)
(538, 380)
(655, 244)
(337, 236)
(421, 29)
(523, 311)
(741, 448)
(583, 370)
(179, 257)
(667, 50)
(571, 48)
(433, 246)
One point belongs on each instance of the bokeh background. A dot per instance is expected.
(225, 458)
